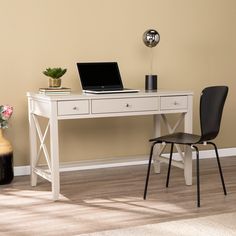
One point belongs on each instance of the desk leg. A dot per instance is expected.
(188, 152)
(54, 157)
(33, 146)
(188, 166)
(157, 133)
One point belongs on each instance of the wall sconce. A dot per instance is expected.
(151, 38)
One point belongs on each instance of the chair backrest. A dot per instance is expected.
(211, 107)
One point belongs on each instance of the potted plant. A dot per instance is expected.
(55, 75)
(6, 150)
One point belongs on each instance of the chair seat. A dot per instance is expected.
(179, 138)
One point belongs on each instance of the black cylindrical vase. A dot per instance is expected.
(151, 82)
(6, 168)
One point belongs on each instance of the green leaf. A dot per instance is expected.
(54, 73)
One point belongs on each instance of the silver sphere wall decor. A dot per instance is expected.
(151, 38)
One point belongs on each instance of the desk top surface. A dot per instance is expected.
(72, 95)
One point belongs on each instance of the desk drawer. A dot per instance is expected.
(76, 107)
(174, 103)
(124, 105)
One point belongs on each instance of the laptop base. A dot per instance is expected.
(111, 91)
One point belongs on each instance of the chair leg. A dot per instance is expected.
(168, 173)
(219, 165)
(198, 177)
(148, 171)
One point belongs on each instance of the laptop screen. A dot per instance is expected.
(99, 75)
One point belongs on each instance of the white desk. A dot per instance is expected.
(82, 106)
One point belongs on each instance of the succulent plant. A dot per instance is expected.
(54, 73)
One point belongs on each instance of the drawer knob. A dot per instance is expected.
(127, 105)
(75, 108)
(175, 103)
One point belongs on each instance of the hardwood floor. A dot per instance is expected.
(103, 199)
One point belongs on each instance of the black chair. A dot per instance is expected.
(211, 107)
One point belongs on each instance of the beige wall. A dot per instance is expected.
(197, 49)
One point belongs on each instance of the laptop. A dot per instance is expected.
(101, 78)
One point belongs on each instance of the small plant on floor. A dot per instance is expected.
(5, 114)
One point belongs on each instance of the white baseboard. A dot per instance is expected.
(223, 152)
(124, 161)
